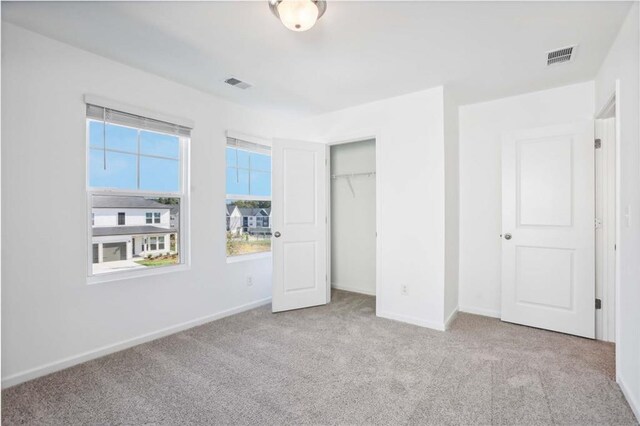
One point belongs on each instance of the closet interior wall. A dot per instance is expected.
(353, 217)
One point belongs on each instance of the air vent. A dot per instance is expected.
(559, 56)
(237, 83)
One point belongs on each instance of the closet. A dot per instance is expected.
(353, 216)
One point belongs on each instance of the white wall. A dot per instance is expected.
(481, 127)
(621, 64)
(409, 133)
(452, 207)
(51, 318)
(132, 217)
(353, 218)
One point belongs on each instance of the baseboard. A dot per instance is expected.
(43, 370)
(634, 404)
(480, 311)
(353, 289)
(451, 318)
(412, 320)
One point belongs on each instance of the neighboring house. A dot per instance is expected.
(256, 220)
(248, 220)
(174, 216)
(234, 218)
(128, 227)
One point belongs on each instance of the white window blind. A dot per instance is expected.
(112, 116)
(249, 146)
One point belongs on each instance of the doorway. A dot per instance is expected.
(303, 176)
(352, 230)
(525, 299)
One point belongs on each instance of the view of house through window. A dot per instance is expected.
(135, 189)
(134, 244)
(248, 227)
(248, 204)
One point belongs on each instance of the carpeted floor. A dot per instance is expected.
(335, 364)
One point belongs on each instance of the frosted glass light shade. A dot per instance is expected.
(298, 15)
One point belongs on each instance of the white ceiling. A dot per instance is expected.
(358, 52)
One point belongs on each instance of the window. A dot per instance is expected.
(153, 243)
(152, 217)
(137, 174)
(248, 176)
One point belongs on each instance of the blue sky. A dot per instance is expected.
(247, 173)
(156, 174)
(252, 175)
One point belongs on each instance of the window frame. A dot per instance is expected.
(183, 194)
(236, 197)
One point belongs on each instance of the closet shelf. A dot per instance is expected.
(351, 175)
(348, 176)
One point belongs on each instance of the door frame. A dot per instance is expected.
(341, 141)
(607, 283)
(613, 103)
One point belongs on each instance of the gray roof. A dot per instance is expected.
(122, 202)
(103, 231)
(230, 208)
(248, 211)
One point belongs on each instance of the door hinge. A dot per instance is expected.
(598, 303)
(598, 144)
(598, 223)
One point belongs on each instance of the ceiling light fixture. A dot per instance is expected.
(298, 15)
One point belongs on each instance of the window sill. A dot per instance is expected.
(121, 276)
(248, 257)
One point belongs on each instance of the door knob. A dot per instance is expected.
(277, 234)
(507, 236)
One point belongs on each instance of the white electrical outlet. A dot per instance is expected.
(404, 290)
(249, 280)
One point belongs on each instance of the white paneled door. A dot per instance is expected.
(299, 241)
(548, 278)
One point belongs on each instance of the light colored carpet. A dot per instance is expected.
(336, 364)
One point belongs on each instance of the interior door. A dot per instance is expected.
(548, 278)
(299, 243)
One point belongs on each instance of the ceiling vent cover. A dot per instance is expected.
(559, 56)
(237, 83)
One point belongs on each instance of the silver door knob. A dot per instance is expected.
(507, 236)
(277, 234)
